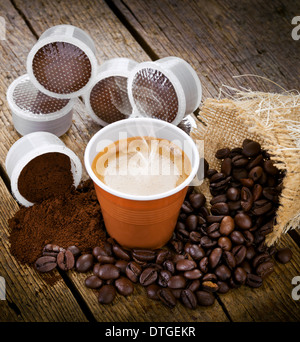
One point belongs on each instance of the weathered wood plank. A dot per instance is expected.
(29, 298)
(222, 39)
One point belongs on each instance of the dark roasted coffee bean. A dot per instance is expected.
(271, 194)
(222, 153)
(133, 271)
(152, 291)
(214, 218)
(96, 269)
(256, 173)
(225, 243)
(239, 253)
(179, 226)
(121, 264)
(269, 167)
(246, 199)
(144, 254)
(163, 278)
(210, 286)
(93, 282)
(106, 294)
(266, 228)
(191, 222)
(249, 238)
(167, 297)
(188, 299)
(246, 266)
(203, 265)
(235, 151)
(193, 274)
(84, 263)
(239, 173)
(261, 207)
(284, 255)
(213, 231)
(206, 242)
(176, 293)
(257, 192)
(223, 272)
(233, 194)
(247, 182)
(120, 252)
(245, 142)
(124, 286)
(74, 250)
(237, 237)
(163, 255)
(233, 284)
(254, 280)
(227, 225)
(264, 269)
(186, 207)
(201, 220)
(234, 206)
(51, 250)
(65, 260)
(211, 172)
(108, 271)
(220, 209)
(258, 259)
(220, 185)
(182, 234)
(216, 178)
(177, 245)
(210, 277)
(97, 251)
(195, 237)
(218, 199)
(240, 275)
(255, 161)
(226, 166)
(205, 298)
(105, 259)
(239, 161)
(229, 259)
(197, 200)
(185, 265)
(45, 263)
(194, 285)
(215, 257)
(252, 149)
(243, 221)
(223, 287)
(250, 253)
(195, 251)
(177, 282)
(148, 276)
(169, 266)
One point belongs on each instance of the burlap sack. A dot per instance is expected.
(271, 119)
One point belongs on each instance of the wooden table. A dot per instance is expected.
(221, 39)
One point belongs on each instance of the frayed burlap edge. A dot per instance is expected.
(271, 119)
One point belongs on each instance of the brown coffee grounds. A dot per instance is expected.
(46, 176)
(72, 218)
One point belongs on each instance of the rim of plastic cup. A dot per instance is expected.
(76, 166)
(101, 75)
(61, 38)
(136, 197)
(26, 114)
(172, 78)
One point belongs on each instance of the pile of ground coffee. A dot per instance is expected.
(72, 218)
(46, 176)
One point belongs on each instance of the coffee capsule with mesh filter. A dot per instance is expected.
(62, 63)
(167, 89)
(107, 99)
(34, 111)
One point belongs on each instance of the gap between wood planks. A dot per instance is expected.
(150, 52)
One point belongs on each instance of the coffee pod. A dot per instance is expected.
(34, 111)
(167, 89)
(107, 99)
(62, 63)
(35, 155)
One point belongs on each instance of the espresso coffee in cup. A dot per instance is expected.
(142, 166)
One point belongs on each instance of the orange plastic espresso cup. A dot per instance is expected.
(140, 221)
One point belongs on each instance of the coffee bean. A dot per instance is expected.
(271, 194)
(120, 253)
(51, 250)
(163, 278)
(226, 166)
(133, 271)
(246, 266)
(210, 286)
(243, 221)
(105, 259)
(215, 257)
(257, 192)
(205, 298)
(195, 251)
(258, 259)
(65, 260)
(97, 251)
(225, 243)
(239, 253)
(233, 194)
(269, 167)
(203, 265)
(121, 264)
(214, 218)
(45, 263)
(207, 242)
(177, 282)
(211, 172)
(197, 200)
(264, 269)
(229, 259)
(193, 274)
(246, 199)
(106, 294)
(152, 291)
(195, 236)
(234, 206)
(251, 149)
(254, 280)
(194, 285)
(108, 271)
(84, 263)
(223, 287)
(237, 237)
(74, 250)
(239, 173)
(284, 255)
(186, 207)
(255, 173)
(220, 209)
(144, 254)
(227, 225)
(222, 153)
(218, 199)
(240, 275)
(167, 297)
(191, 222)
(261, 207)
(239, 161)
(250, 253)
(93, 282)
(169, 266)
(163, 255)
(223, 272)
(188, 299)
(249, 238)
(247, 182)
(148, 276)
(124, 286)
